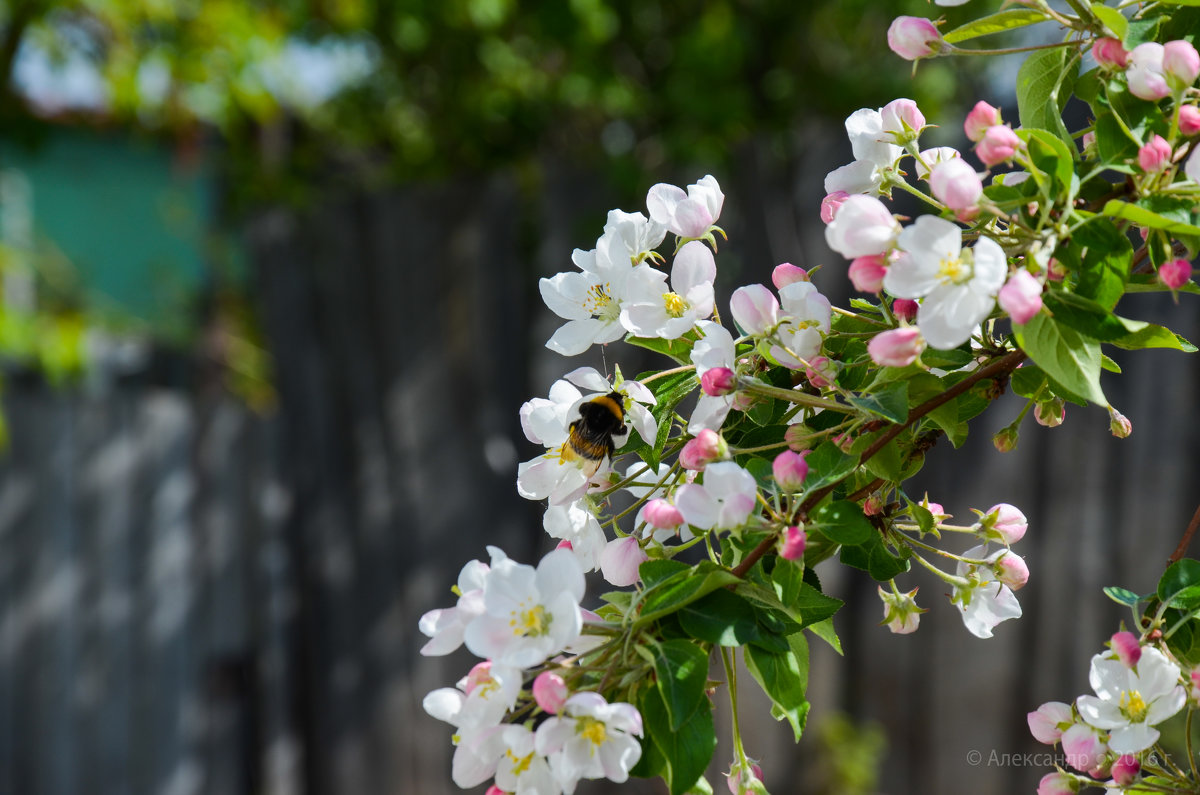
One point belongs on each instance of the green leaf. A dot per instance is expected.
(1112, 144)
(1152, 336)
(844, 522)
(809, 607)
(946, 360)
(1067, 356)
(784, 678)
(1140, 31)
(874, 558)
(722, 617)
(1027, 381)
(1043, 85)
(681, 668)
(687, 751)
(1113, 19)
(653, 572)
(1104, 261)
(1085, 316)
(787, 579)
(1122, 596)
(825, 631)
(890, 403)
(678, 349)
(888, 463)
(1142, 216)
(1180, 585)
(682, 589)
(995, 23)
(827, 464)
(1185, 643)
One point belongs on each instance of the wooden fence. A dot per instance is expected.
(194, 599)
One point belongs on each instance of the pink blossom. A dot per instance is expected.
(1005, 440)
(1175, 274)
(755, 309)
(480, 674)
(494, 790)
(1181, 62)
(873, 506)
(914, 37)
(863, 225)
(1083, 747)
(1048, 721)
(1119, 424)
(662, 514)
(866, 273)
(794, 540)
(820, 371)
(1011, 570)
(1088, 141)
(1128, 648)
(1050, 413)
(955, 184)
(1145, 72)
(787, 273)
(550, 692)
(706, 447)
(790, 469)
(998, 144)
(1110, 54)
(718, 381)
(620, 560)
(981, 117)
(734, 781)
(1125, 770)
(1006, 521)
(1055, 270)
(1057, 784)
(902, 120)
(795, 437)
(831, 203)
(1155, 155)
(1189, 120)
(905, 308)
(1021, 297)
(565, 544)
(896, 348)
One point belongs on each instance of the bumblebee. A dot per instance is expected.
(590, 438)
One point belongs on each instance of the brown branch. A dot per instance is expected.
(1193, 525)
(1002, 366)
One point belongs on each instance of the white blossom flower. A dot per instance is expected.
(1129, 702)
(480, 699)
(589, 300)
(445, 626)
(874, 155)
(714, 349)
(531, 614)
(724, 501)
(807, 316)
(576, 524)
(688, 215)
(986, 601)
(522, 769)
(863, 227)
(591, 739)
(630, 237)
(652, 310)
(957, 286)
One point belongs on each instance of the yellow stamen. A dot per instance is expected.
(532, 622)
(674, 304)
(519, 765)
(1133, 706)
(592, 729)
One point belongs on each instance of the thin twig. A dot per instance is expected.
(1180, 550)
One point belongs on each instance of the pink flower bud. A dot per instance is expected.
(1050, 413)
(794, 540)
(863, 225)
(1119, 424)
(1011, 570)
(1057, 784)
(1194, 677)
(1155, 155)
(955, 184)
(481, 674)
(905, 309)
(914, 37)
(550, 692)
(733, 779)
(897, 347)
(820, 371)
(1181, 62)
(795, 437)
(1128, 648)
(1021, 297)
(1005, 440)
(902, 120)
(1110, 54)
(1125, 770)
(866, 273)
(1006, 521)
(565, 544)
(1189, 120)
(1048, 721)
(620, 560)
(900, 611)
(1088, 141)
(707, 446)
(981, 117)
(786, 274)
(494, 790)
(1055, 270)
(831, 203)
(1175, 274)
(1145, 72)
(755, 309)
(718, 381)
(662, 514)
(1083, 747)
(790, 469)
(998, 144)
(742, 401)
